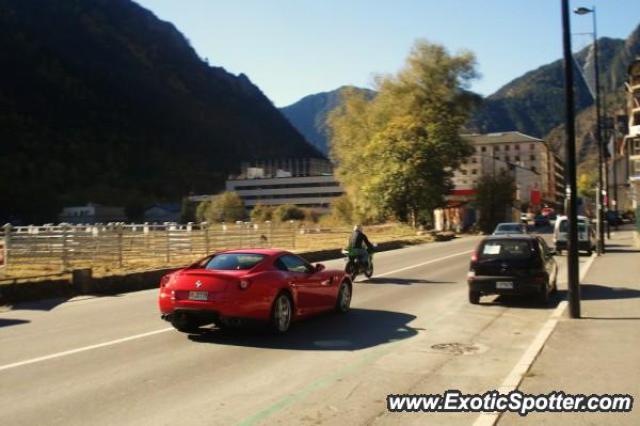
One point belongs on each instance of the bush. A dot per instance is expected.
(288, 212)
(225, 207)
(261, 213)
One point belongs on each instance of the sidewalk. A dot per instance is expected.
(599, 353)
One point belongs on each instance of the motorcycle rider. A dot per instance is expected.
(357, 243)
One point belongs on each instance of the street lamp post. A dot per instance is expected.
(600, 196)
(573, 271)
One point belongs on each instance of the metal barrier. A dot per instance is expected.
(73, 246)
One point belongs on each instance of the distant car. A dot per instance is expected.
(510, 228)
(586, 234)
(231, 287)
(512, 265)
(614, 218)
(541, 220)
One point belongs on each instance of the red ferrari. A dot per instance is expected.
(235, 286)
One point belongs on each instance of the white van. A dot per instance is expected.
(586, 234)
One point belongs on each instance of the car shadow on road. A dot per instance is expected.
(358, 329)
(525, 302)
(400, 281)
(7, 322)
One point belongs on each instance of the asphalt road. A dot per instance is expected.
(111, 360)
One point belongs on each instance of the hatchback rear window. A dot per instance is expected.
(234, 261)
(506, 249)
(564, 226)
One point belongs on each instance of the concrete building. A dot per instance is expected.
(315, 192)
(92, 213)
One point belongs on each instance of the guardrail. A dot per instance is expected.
(77, 246)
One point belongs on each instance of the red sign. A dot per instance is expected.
(535, 197)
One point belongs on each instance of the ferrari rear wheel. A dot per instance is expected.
(281, 314)
(185, 323)
(343, 304)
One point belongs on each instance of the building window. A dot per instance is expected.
(463, 171)
(496, 148)
(532, 147)
(507, 148)
(474, 160)
(533, 169)
(483, 149)
(517, 158)
(474, 171)
(532, 157)
(507, 158)
(517, 147)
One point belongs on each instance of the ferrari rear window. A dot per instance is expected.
(234, 261)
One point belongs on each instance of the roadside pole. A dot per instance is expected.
(572, 248)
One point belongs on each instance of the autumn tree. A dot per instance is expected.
(396, 153)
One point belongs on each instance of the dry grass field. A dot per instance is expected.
(307, 239)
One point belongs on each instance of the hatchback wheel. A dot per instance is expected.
(474, 297)
(343, 304)
(544, 296)
(281, 314)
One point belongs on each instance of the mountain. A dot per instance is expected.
(101, 101)
(309, 115)
(534, 103)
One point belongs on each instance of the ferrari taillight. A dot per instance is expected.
(165, 280)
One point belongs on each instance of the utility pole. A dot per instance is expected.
(572, 248)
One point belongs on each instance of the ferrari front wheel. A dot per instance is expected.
(281, 314)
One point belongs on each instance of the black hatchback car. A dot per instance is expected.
(512, 265)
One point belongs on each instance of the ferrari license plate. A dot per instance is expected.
(504, 284)
(198, 295)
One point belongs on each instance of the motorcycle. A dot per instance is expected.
(355, 265)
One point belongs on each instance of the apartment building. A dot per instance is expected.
(538, 172)
(632, 139)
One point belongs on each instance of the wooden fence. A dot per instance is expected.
(124, 245)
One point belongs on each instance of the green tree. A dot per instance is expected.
(225, 207)
(587, 184)
(261, 213)
(494, 196)
(288, 212)
(396, 153)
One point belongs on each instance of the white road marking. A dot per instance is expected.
(151, 333)
(423, 263)
(513, 380)
(83, 349)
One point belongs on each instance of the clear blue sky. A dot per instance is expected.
(292, 48)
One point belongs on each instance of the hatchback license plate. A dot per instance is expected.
(504, 284)
(198, 295)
